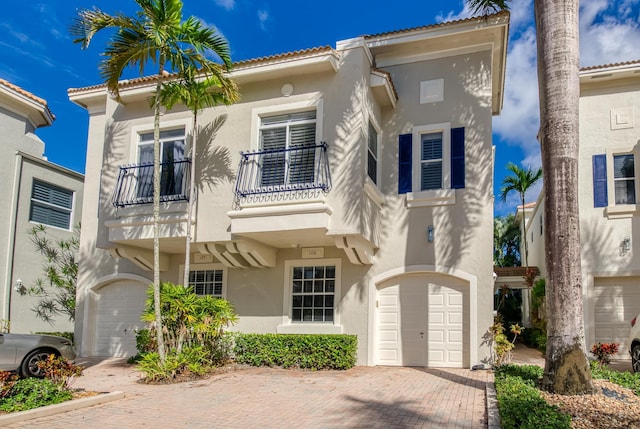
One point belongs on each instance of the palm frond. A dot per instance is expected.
(487, 7)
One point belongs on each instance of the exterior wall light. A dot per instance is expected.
(625, 246)
(20, 287)
(430, 233)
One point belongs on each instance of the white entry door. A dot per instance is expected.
(420, 323)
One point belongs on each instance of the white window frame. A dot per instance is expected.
(138, 130)
(52, 206)
(289, 327)
(371, 188)
(435, 197)
(614, 210)
(208, 267)
(314, 102)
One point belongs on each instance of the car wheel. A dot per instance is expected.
(30, 363)
(635, 358)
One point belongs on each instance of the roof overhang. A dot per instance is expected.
(609, 72)
(37, 112)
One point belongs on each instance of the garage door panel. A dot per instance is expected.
(616, 301)
(420, 323)
(120, 307)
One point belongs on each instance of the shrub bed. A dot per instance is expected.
(625, 379)
(519, 402)
(300, 351)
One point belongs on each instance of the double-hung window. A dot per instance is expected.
(372, 154)
(624, 179)
(172, 166)
(288, 142)
(51, 205)
(430, 161)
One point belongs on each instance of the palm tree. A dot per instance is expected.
(506, 241)
(566, 367)
(195, 93)
(155, 36)
(521, 181)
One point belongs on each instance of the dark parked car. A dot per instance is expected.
(22, 352)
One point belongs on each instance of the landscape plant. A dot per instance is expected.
(604, 351)
(60, 371)
(56, 292)
(308, 351)
(519, 402)
(193, 331)
(502, 346)
(29, 393)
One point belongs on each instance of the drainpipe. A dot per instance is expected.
(15, 193)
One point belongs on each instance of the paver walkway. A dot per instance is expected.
(363, 397)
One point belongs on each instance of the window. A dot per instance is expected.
(207, 282)
(51, 205)
(282, 134)
(430, 161)
(372, 154)
(313, 293)
(541, 225)
(624, 179)
(172, 169)
(431, 164)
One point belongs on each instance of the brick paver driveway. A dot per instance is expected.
(363, 397)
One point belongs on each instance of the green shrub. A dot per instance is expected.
(189, 362)
(624, 378)
(536, 338)
(28, 393)
(67, 335)
(520, 403)
(300, 351)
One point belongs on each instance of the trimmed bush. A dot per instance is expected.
(520, 403)
(28, 393)
(298, 351)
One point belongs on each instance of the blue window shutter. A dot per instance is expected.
(404, 163)
(600, 198)
(457, 158)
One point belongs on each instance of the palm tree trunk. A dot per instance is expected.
(566, 367)
(156, 215)
(192, 187)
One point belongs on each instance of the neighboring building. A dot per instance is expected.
(36, 191)
(362, 202)
(608, 202)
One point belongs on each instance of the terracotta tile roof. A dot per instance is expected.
(514, 271)
(440, 24)
(27, 94)
(606, 66)
(239, 64)
(527, 205)
(388, 75)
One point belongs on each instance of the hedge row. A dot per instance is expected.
(300, 351)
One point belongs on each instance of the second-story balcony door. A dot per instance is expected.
(281, 134)
(172, 146)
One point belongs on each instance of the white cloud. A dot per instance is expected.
(227, 4)
(263, 17)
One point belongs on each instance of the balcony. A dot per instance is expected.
(135, 183)
(295, 172)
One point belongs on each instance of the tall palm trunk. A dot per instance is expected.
(192, 187)
(524, 237)
(156, 214)
(566, 366)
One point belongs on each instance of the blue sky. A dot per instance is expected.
(38, 54)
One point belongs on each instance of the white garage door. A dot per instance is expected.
(420, 323)
(120, 306)
(616, 302)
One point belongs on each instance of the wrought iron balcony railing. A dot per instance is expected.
(300, 171)
(135, 183)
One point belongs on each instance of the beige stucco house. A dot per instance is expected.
(349, 191)
(36, 192)
(608, 202)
